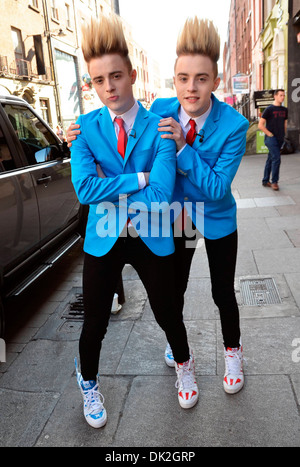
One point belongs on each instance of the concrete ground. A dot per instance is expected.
(41, 404)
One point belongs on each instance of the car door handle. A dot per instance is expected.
(44, 180)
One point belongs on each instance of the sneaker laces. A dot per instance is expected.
(93, 400)
(185, 376)
(233, 361)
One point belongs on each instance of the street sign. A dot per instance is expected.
(240, 84)
(263, 98)
(261, 148)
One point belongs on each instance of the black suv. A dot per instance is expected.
(41, 217)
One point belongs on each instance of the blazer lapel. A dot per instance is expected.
(174, 108)
(210, 124)
(139, 126)
(107, 129)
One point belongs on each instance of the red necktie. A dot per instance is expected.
(122, 138)
(122, 142)
(191, 136)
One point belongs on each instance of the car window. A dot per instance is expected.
(6, 160)
(37, 141)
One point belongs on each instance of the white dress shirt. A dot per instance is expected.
(128, 118)
(184, 119)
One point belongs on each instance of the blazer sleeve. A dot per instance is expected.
(214, 182)
(91, 189)
(157, 196)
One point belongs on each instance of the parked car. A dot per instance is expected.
(41, 217)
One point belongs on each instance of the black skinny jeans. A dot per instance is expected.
(100, 278)
(222, 254)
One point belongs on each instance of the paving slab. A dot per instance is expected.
(263, 414)
(254, 234)
(144, 351)
(293, 280)
(43, 365)
(284, 223)
(277, 260)
(23, 416)
(66, 426)
(268, 346)
(296, 377)
(258, 212)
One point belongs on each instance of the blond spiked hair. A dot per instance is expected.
(102, 37)
(199, 36)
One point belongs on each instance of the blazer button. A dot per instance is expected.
(185, 198)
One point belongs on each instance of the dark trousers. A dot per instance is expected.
(273, 161)
(222, 254)
(100, 278)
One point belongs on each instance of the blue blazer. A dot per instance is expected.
(115, 198)
(206, 170)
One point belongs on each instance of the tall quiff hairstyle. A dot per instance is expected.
(102, 37)
(199, 37)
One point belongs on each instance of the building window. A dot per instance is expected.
(21, 65)
(68, 14)
(45, 110)
(17, 43)
(34, 3)
(54, 10)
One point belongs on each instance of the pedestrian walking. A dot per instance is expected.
(122, 142)
(273, 123)
(60, 133)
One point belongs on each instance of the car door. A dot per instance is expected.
(50, 169)
(19, 228)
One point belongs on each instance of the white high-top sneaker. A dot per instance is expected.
(93, 408)
(169, 358)
(188, 392)
(234, 375)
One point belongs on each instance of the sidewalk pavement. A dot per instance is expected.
(41, 404)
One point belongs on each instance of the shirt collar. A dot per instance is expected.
(128, 117)
(184, 118)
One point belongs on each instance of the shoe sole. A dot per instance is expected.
(102, 424)
(188, 406)
(170, 363)
(230, 390)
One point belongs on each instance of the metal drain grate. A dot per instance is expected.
(74, 310)
(259, 291)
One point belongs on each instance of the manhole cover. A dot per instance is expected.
(259, 291)
(74, 310)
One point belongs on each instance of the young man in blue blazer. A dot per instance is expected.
(210, 139)
(121, 141)
(208, 157)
